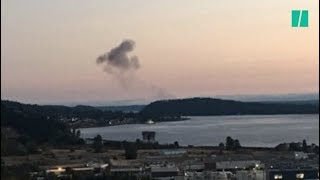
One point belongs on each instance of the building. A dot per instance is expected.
(234, 165)
(222, 175)
(173, 152)
(193, 175)
(209, 175)
(197, 167)
(125, 167)
(250, 175)
(292, 174)
(126, 171)
(164, 172)
(148, 136)
(300, 155)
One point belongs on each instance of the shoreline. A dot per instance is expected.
(186, 118)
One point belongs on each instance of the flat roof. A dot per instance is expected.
(164, 169)
(125, 169)
(83, 169)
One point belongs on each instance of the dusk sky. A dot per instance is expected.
(185, 47)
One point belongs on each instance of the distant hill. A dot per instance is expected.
(131, 108)
(42, 122)
(302, 97)
(65, 112)
(302, 102)
(32, 126)
(210, 106)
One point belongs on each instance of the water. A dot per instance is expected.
(263, 131)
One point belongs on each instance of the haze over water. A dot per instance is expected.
(262, 131)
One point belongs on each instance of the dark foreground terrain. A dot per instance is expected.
(42, 142)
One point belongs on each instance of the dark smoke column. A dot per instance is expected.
(122, 67)
(117, 59)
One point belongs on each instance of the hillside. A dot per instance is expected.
(210, 106)
(59, 112)
(131, 108)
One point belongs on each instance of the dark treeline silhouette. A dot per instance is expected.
(129, 108)
(32, 128)
(37, 127)
(131, 148)
(54, 111)
(139, 145)
(97, 144)
(232, 144)
(210, 106)
(101, 117)
(298, 146)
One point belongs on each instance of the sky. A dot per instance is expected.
(185, 47)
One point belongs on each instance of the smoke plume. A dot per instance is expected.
(117, 59)
(122, 68)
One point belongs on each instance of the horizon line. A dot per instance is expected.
(145, 101)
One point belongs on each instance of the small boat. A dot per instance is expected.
(150, 121)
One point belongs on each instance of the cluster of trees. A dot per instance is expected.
(18, 171)
(97, 144)
(305, 147)
(32, 129)
(230, 144)
(298, 146)
(130, 151)
(130, 148)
